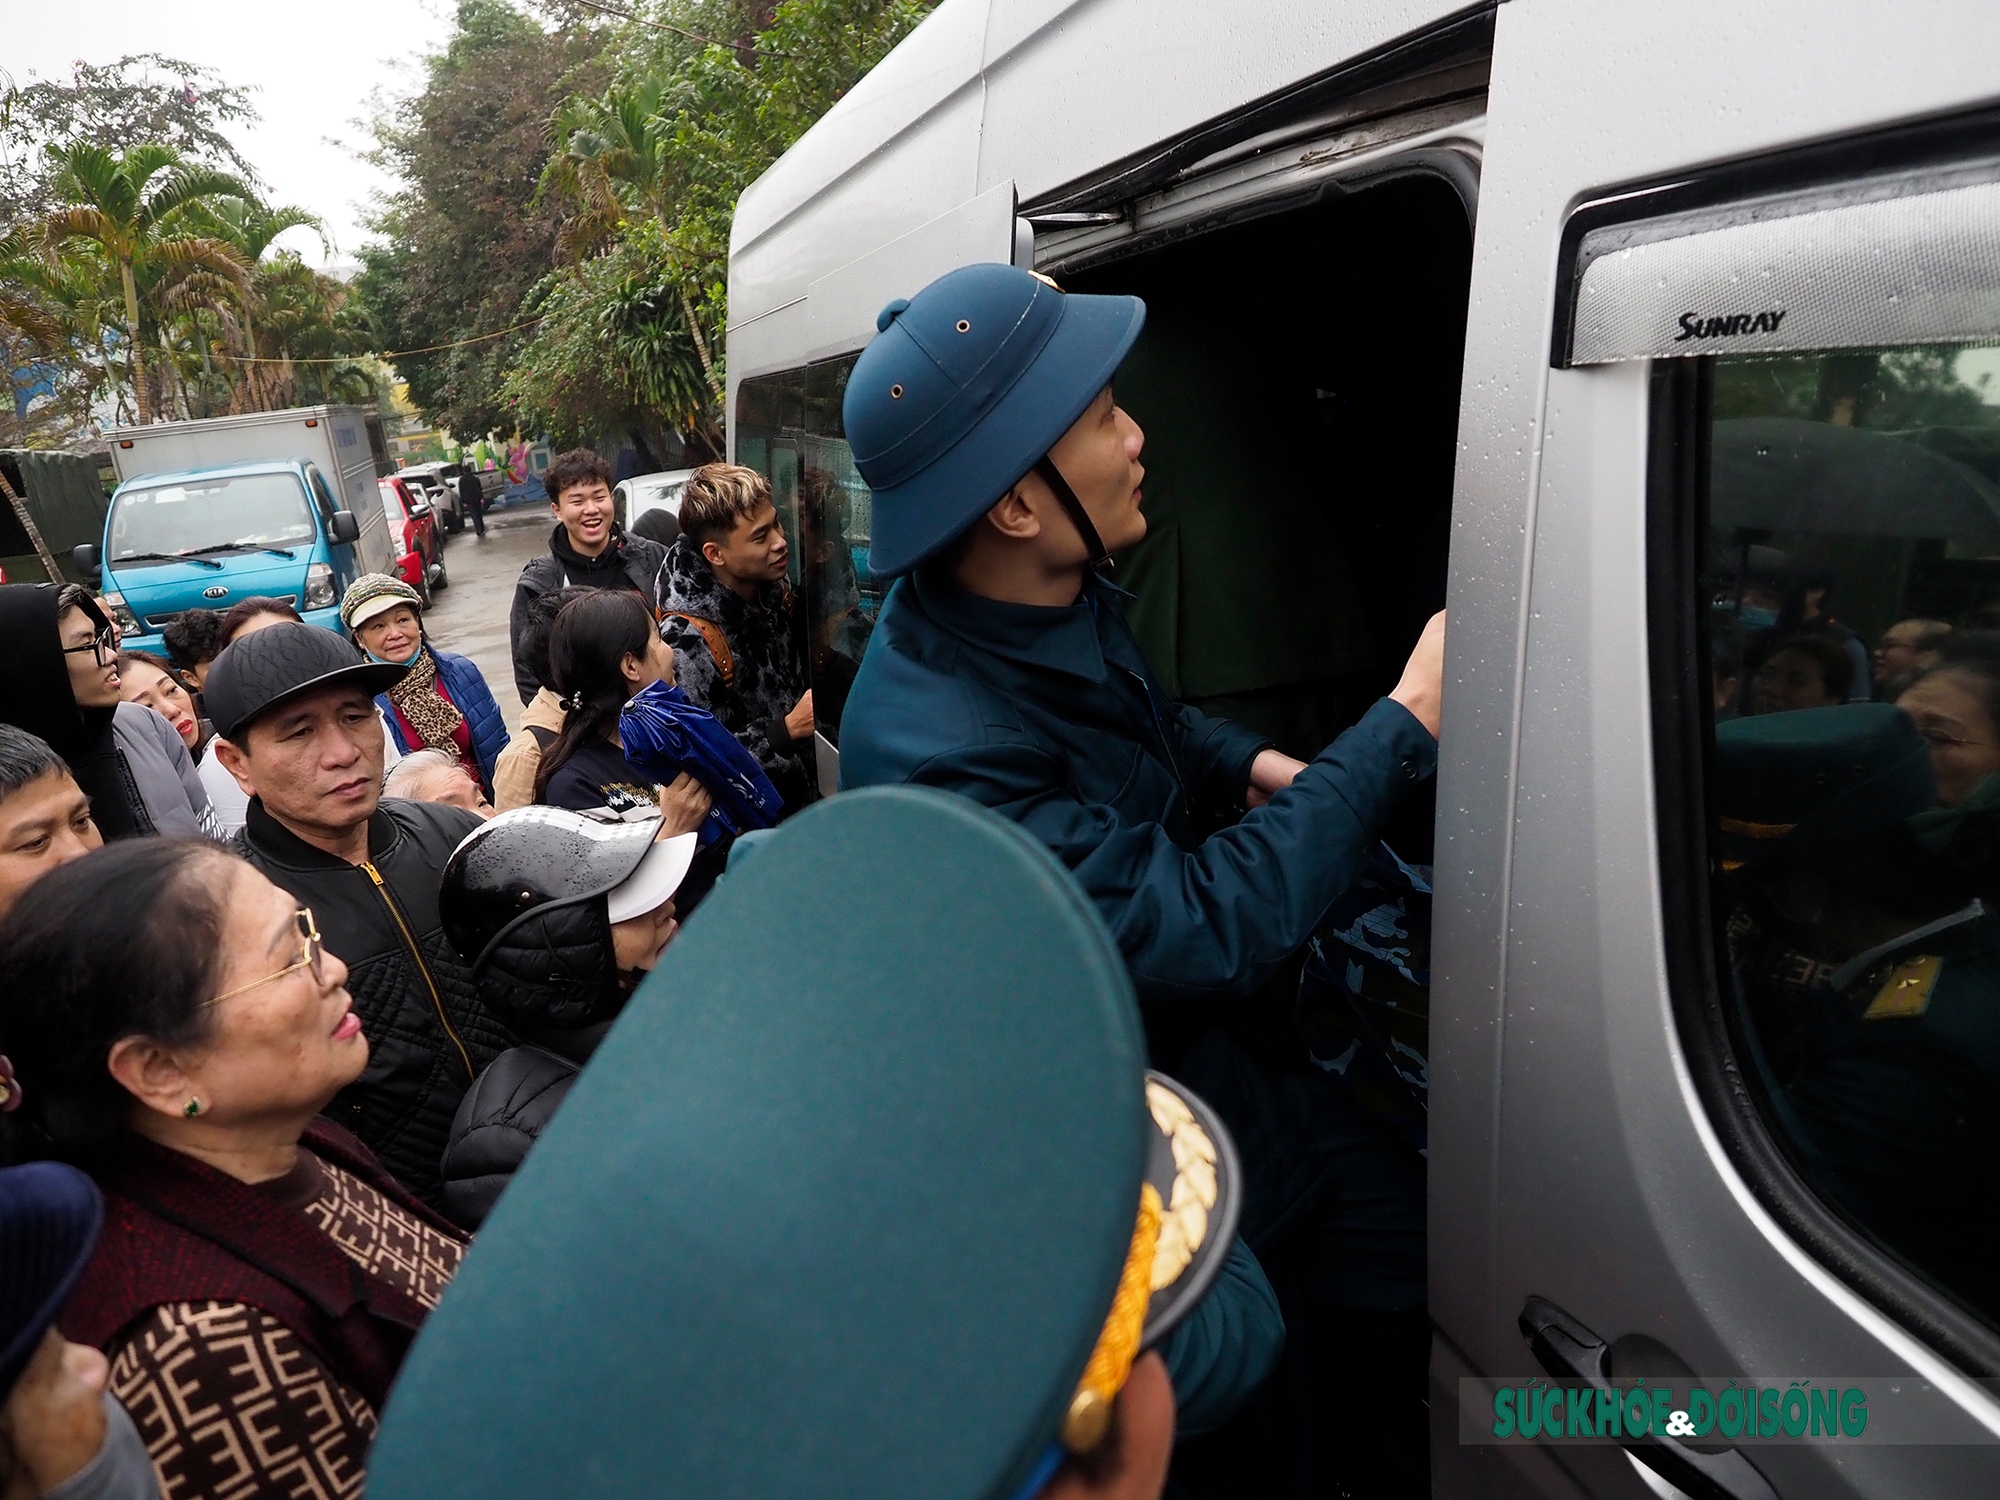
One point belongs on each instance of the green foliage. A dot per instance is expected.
(649, 171)
(1896, 390)
(465, 241)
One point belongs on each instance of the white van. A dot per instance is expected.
(1661, 342)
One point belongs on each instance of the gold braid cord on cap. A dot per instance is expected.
(1118, 1345)
(1185, 1225)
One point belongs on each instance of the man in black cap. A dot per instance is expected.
(294, 710)
(62, 1435)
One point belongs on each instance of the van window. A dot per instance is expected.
(789, 429)
(1847, 615)
(210, 515)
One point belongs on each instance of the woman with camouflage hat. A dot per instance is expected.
(442, 703)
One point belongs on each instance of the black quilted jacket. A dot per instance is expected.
(428, 1033)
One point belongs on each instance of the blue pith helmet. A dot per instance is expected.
(964, 387)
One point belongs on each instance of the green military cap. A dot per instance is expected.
(867, 1193)
(1791, 785)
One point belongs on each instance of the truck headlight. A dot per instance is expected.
(319, 586)
(121, 614)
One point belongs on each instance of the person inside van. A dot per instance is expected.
(1956, 707)
(150, 680)
(59, 680)
(1905, 649)
(1807, 671)
(442, 702)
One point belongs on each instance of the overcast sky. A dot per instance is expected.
(312, 68)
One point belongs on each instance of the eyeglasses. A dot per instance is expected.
(104, 645)
(311, 953)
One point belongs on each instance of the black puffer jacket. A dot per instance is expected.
(630, 562)
(768, 670)
(429, 1033)
(553, 978)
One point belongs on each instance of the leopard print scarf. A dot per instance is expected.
(432, 715)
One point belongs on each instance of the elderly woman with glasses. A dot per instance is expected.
(175, 1028)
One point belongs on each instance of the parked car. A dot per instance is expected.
(644, 492)
(439, 490)
(413, 525)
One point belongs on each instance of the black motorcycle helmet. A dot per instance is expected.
(529, 899)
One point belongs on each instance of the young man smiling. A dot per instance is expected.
(729, 619)
(295, 708)
(587, 549)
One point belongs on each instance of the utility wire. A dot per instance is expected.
(263, 359)
(693, 36)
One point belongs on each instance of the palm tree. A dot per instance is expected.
(613, 155)
(115, 204)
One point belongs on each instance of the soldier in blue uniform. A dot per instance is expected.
(1003, 475)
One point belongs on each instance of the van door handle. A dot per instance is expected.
(1570, 1351)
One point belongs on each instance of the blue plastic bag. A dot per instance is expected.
(664, 735)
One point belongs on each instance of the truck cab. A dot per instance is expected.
(205, 538)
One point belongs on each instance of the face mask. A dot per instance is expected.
(121, 1470)
(1757, 617)
(408, 661)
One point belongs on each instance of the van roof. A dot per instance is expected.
(987, 91)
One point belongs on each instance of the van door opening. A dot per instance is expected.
(1298, 386)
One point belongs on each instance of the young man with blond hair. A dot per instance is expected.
(727, 611)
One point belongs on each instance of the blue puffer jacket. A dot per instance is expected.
(467, 689)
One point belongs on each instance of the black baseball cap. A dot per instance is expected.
(258, 671)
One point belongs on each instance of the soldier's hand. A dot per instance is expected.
(1270, 773)
(1422, 689)
(799, 722)
(684, 806)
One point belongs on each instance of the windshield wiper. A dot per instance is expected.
(239, 547)
(206, 562)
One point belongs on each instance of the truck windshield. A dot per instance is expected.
(210, 515)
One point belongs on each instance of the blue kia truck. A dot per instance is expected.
(279, 503)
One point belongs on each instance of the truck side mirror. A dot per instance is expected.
(84, 555)
(343, 528)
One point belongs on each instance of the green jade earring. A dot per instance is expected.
(191, 1108)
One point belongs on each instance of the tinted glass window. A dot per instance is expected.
(211, 515)
(1850, 608)
(788, 428)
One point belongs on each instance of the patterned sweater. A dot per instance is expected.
(230, 1402)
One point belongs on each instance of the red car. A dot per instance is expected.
(414, 531)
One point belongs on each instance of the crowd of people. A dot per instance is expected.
(303, 954)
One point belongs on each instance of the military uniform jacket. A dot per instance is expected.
(1052, 718)
(428, 1033)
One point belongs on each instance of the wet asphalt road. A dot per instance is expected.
(469, 615)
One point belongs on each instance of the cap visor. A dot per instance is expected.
(371, 677)
(379, 605)
(917, 518)
(1190, 1158)
(659, 875)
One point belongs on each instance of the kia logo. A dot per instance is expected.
(214, 591)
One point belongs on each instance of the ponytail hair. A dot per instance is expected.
(590, 638)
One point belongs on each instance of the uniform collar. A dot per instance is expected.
(1068, 639)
